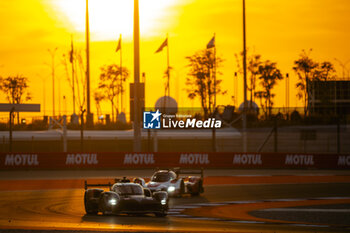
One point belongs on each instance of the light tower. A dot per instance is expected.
(137, 126)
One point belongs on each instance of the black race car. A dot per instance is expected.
(125, 198)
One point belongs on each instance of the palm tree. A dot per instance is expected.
(268, 76)
(305, 68)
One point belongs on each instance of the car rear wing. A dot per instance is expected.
(188, 171)
(86, 185)
(109, 184)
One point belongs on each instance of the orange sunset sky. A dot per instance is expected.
(278, 30)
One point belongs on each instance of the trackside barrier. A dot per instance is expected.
(132, 160)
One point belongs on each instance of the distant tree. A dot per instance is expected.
(191, 96)
(98, 97)
(261, 95)
(111, 84)
(309, 70)
(200, 80)
(305, 68)
(268, 75)
(77, 60)
(67, 67)
(325, 71)
(253, 63)
(15, 89)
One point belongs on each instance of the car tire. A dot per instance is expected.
(199, 190)
(182, 188)
(88, 208)
(195, 194)
(162, 214)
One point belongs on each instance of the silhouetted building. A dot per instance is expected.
(329, 97)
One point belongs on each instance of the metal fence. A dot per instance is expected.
(285, 130)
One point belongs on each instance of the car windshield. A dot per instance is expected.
(128, 190)
(161, 177)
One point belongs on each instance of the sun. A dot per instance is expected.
(109, 18)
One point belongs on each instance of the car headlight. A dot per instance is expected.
(163, 202)
(112, 201)
(171, 189)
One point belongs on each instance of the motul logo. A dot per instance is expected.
(139, 159)
(21, 160)
(247, 159)
(299, 160)
(77, 159)
(194, 159)
(344, 160)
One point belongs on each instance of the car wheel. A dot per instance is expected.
(195, 194)
(88, 208)
(162, 214)
(182, 188)
(199, 189)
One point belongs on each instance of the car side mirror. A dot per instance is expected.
(147, 192)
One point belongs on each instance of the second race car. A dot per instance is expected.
(173, 183)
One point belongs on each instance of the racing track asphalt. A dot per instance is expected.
(63, 210)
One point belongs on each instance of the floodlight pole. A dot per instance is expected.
(168, 62)
(287, 92)
(121, 75)
(137, 127)
(44, 96)
(82, 129)
(214, 111)
(10, 129)
(73, 81)
(235, 90)
(87, 30)
(244, 82)
(52, 53)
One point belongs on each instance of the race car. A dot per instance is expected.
(172, 182)
(124, 197)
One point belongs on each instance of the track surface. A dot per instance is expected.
(62, 209)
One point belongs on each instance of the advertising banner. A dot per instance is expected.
(130, 160)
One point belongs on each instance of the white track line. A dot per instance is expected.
(176, 211)
(306, 210)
